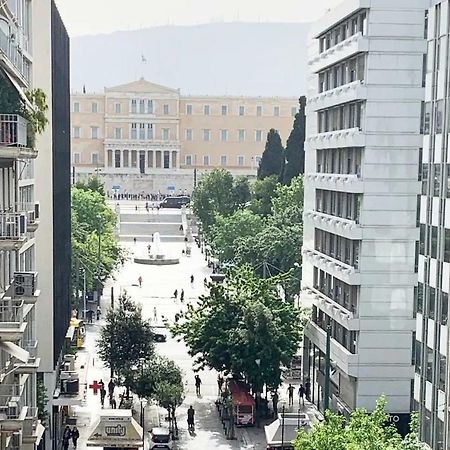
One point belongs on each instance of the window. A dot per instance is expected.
(259, 111)
(258, 135)
(427, 118)
(166, 110)
(118, 108)
(189, 110)
(206, 135)
(223, 160)
(241, 110)
(240, 160)
(189, 134)
(118, 133)
(276, 111)
(133, 106)
(294, 110)
(133, 133)
(206, 110)
(94, 107)
(94, 158)
(224, 110)
(188, 160)
(224, 135)
(142, 106)
(149, 106)
(241, 134)
(142, 131)
(76, 107)
(439, 116)
(165, 134)
(94, 132)
(149, 131)
(76, 132)
(76, 158)
(206, 160)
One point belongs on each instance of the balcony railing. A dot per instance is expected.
(13, 130)
(8, 45)
(11, 312)
(32, 348)
(13, 226)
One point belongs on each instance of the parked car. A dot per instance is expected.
(175, 202)
(160, 438)
(159, 335)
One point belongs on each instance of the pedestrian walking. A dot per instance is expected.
(140, 281)
(102, 396)
(198, 383)
(67, 434)
(134, 239)
(75, 436)
(190, 418)
(99, 312)
(149, 249)
(155, 314)
(275, 403)
(90, 315)
(182, 296)
(205, 282)
(308, 390)
(192, 279)
(111, 387)
(301, 395)
(113, 403)
(220, 382)
(290, 391)
(181, 227)
(175, 294)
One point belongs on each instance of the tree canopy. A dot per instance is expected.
(273, 156)
(240, 324)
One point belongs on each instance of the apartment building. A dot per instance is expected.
(361, 186)
(142, 136)
(19, 220)
(431, 387)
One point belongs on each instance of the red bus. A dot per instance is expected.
(243, 403)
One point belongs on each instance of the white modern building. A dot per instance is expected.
(431, 387)
(361, 188)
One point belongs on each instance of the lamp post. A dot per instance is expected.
(99, 232)
(326, 400)
(258, 363)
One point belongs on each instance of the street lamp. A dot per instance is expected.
(258, 363)
(99, 231)
(326, 400)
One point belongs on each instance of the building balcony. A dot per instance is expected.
(336, 268)
(12, 410)
(336, 182)
(23, 287)
(349, 137)
(14, 139)
(345, 49)
(350, 92)
(32, 364)
(349, 229)
(31, 210)
(32, 428)
(13, 229)
(12, 323)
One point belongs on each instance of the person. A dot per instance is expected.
(102, 396)
(308, 390)
(275, 403)
(175, 294)
(111, 386)
(220, 382)
(155, 314)
(192, 279)
(113, 403)
(290, 391)
(182, 296)
(101, 383)
(99, 312)
(198, 383)
(66, 437)
(136, 207)
(190, 417)
(205, 281)
(90, 315)
(181, 227)
(140, 281)
(177, 317)
(301, 394)
(75, 435)
(134, 239)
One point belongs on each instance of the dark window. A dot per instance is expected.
(447, 246)
(434, 238)
(444, 308)
(427, 117)
(437, 180)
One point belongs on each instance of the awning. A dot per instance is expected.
(19, 90)
(15, 350)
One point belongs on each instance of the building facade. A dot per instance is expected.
(431, 387)
(142, 136)
(361, 186)
(19, 220)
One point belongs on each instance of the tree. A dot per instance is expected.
(125, 339)
(93, 183)
(242, 192)
(263, 192)
(295, 146)
(363, 431)
(272, 158)
(240, 323)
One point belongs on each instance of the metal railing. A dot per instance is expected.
(32, 348)
(8, 45)
(13, 130)
(13, 225)
(31, 210)
(11, 311)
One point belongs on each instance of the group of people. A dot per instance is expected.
(303, 391)
(111, 386)
(70, 435)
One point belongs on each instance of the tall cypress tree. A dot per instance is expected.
(273, 156)
(295, 146)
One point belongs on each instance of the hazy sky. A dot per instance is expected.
(104, 16)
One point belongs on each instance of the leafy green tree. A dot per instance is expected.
(363, 431)
(125, 339)
(263, 193)
(295, 146)
(242, 192)
(273, 156)
(243, 327)
(93, 183)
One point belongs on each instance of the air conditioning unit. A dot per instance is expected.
(16, 440)
(13, 410)
(69, 383)
(25, 284)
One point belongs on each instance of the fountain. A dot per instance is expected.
(155, 257)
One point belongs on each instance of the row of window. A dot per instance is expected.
(433, 302)
(342, 293)
(341, 117)
(425, 357)
(241, 111)
(343, 73)
(338, 247)
(143, 158)
(439, 175)
(76, 158)
(430, 246)
(95, 132)
(346, 160)
(339, 333)
(438, 122)
(339, 204)
(357, 23)
(191, 160)
(93, 109)
(224, 135)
